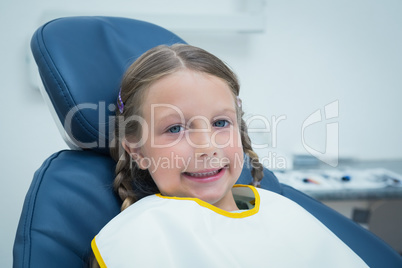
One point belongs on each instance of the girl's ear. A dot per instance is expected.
(135, 153)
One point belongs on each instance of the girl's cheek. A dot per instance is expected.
(176, 148)
(165, 141)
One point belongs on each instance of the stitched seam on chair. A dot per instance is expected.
(63, 93)
(65, 97)
(28, 231)
(32, 202)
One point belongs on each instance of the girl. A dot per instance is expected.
(180, 141)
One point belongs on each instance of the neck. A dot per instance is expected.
(227, 203)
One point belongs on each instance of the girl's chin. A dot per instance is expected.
(220, 198)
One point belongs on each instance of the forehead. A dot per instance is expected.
(191, 91)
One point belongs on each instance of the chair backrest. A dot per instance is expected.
(81, 61)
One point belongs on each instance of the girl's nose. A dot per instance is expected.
(202, 143)
(201, 139)
(206, 153)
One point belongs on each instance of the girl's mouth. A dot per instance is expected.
(206, 175)
(203, 174)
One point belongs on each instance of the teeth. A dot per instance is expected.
(206, 174)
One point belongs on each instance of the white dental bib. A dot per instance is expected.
(160, 231)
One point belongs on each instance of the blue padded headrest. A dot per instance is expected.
(82, 61)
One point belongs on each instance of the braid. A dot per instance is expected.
(256, 167)
(123, 181)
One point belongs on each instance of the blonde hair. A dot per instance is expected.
(132, 183)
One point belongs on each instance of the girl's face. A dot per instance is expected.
(191, 142)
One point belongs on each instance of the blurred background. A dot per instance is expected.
(292, 58)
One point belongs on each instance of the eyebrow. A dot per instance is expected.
(225, 111)
(230, 110)
(167, 116)
(175, 115)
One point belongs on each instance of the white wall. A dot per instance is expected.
(311, 54)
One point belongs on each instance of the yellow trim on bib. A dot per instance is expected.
(97, 254)
(225, 213)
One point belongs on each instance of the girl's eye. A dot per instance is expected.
(221, 123)
(175, 129)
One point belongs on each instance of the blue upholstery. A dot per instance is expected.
(73, 74)
(81, 61)
(66, 205)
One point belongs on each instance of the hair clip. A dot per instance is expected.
(238, 101)
(120, 103)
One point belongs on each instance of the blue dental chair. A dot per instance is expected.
(81, 61)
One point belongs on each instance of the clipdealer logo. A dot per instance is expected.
(331, 154)
(265, 127)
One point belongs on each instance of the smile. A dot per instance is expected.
(206, 176)
(203, 174)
